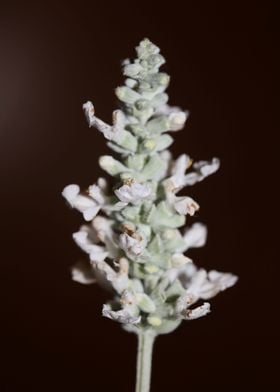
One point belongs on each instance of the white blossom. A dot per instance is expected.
(179, 179)
(133, 243)
(85, 204)
(177, 120)
(133, 192)
(122, 316)
(203, 285)
(202, 169)
(110, 132)
(104, 232)
(195, 236)
(183, 309)
(83, 273)
(179, 259)
(185, 205)
(96, 252)
(117, 279)
(176, 116)
(200, 311)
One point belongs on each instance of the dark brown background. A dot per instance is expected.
(54, 57)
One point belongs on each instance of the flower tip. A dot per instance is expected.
(70, 192)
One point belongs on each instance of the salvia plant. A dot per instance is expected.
(134, 236)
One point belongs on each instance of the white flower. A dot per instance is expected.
(132, 244)
(132, 192)
(185, 205)
(176, 116)
(95, 199)
(96, 252)
(213, 283)
(179, 179)
(104, 232)
(182, 204)
(195, 236)
(178, 168)
(118, 280)
(184, 302)
(203, 169)
(86, 205)
(200, 311)
(178, 260)
(96, 193)
(145, 303)
(201, 284)
(83, 273)
(177, 120)
(109, 132)
(123, 316)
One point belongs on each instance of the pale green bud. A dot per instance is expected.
(163, 216)
(127, 95)
(151, 268)
(145, 303)
(127, 140)
(154, 168)
(154, 321)
(159, 100)
(158, 125)
(135, 162)
(163, 142)
(146, 48)
(154, 61)
(142, 104)
(111, 165)
(132, 70)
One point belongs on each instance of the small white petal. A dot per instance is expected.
(130, 193)
(206, 285)
(96, 122)
(180, 165)
(177, 120)
(184, 302)
(85, 242)
(145, 303)
(185, 205)
(97, 254)
(97, 194)
(197, 281)
(82, 203)
(216, 282)
(207, 168)
(203, 169)
(225, 280)
(83, 273)
(200, 311)
(81, 239)
(135, 244)
(70, 192)
(89, 111)
(90, 213)
(178, 260)
(122, 316)
(195, 236)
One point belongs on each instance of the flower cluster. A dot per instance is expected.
(134, 236)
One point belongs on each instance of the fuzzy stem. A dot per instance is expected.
(146, 340)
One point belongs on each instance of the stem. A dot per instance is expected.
(146, 340)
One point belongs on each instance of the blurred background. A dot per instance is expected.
(222, 62)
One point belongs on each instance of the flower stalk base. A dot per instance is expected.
(146, 340)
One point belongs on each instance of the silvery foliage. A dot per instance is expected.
(133, 237)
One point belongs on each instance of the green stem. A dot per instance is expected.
(146, 340)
